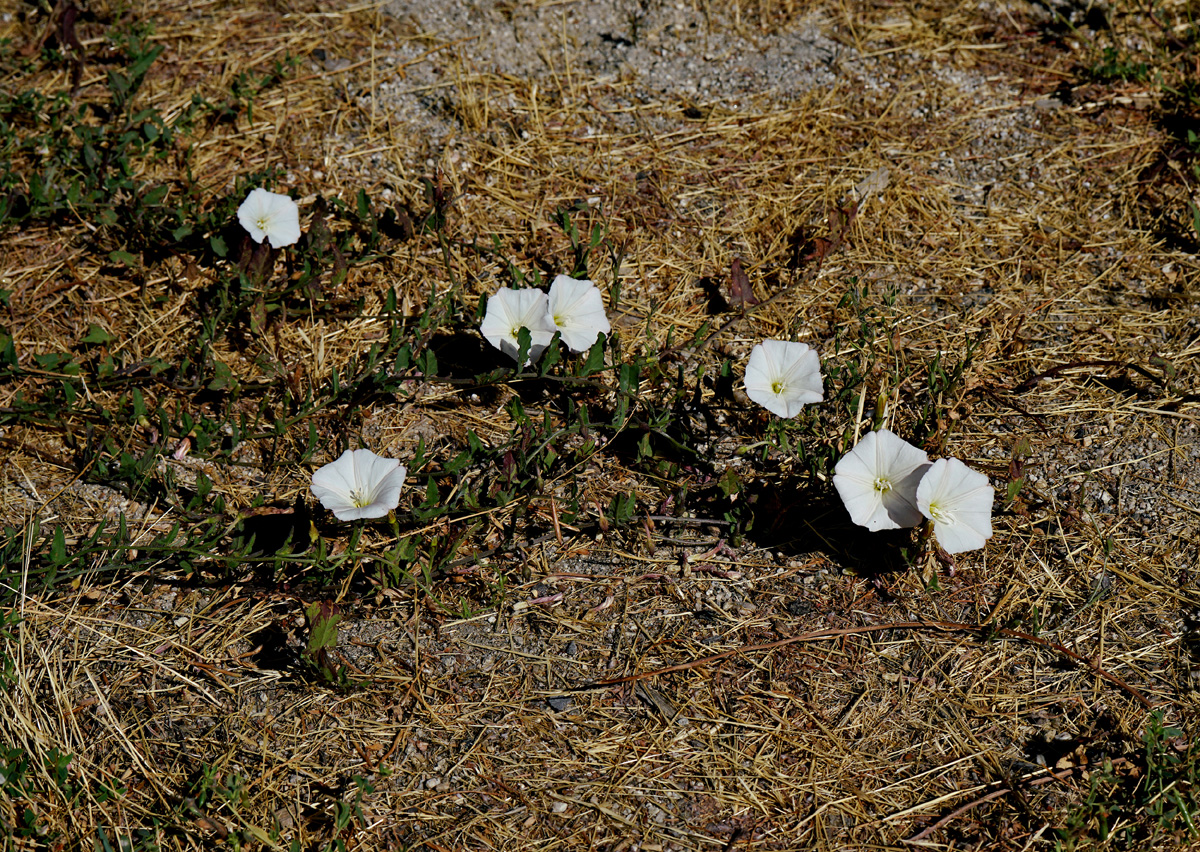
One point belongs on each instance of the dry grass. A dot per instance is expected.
(617, 694)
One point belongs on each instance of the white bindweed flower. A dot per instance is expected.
(878, 479)
(359, 484)
(508, 311)
(959, 502)
(783, 376)
(272, 216)
(577, 312)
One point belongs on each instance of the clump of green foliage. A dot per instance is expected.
(1157, 802)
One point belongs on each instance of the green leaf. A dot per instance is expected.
(118, 84)
(155, 196)
(218, 245)
(594, 362)
(323, 628)
(628, 380)
(58, 548)
(428, 364)
(123, 257)
(459, 462)
(622, 508)
(516, 410)
(729, 482)
(96, 334)
(8, 350)
(223, 378)
(524, 343)
(553, 355)
(57, 362)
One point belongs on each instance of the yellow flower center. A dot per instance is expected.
(778, 387)
(940, 515)
(882, 484)
(359, 499)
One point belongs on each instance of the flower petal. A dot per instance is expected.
(959, 537)
(959, 502)
(388, 482)
(881, 457)
(576, 310)
(285, 228)
(863, 503)
(508, 311)
(803, 380)
(333, 483)
(270, 215)
(783, 376)
(348, 513)
(498, 318)
(901, 501)
(905, 466)
(901, 509)
(360, 484)
(759, 380)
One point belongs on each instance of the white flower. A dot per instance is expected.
(360, 484)
(783, 376)
(878, 479)
(577, 312)
(508, 311)
(272, 216)
(959, 502)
